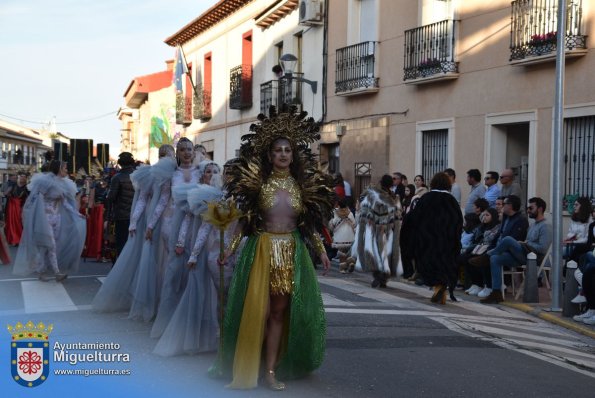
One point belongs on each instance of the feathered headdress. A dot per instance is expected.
(22, 169)
(246, 174)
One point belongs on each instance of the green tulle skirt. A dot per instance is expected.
(302, 349)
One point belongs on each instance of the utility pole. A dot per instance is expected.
(557, 158)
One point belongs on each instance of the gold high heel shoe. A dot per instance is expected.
(272, 382)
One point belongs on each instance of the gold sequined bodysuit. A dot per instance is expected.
(280, 204)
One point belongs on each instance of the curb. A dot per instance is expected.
(546, 316)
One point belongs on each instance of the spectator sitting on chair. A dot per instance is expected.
(499, 206)
(584, 252)
(578, 231)
(511, 251)
(587, 281)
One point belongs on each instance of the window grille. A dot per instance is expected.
(434, 152)
(579, 157)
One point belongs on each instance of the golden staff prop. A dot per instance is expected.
(220, 214)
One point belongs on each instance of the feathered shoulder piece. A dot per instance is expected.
(141, 177)
(199, 197)
(247, 173)
(163, 170)
(51, 185)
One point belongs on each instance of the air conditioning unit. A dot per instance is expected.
(311, 12)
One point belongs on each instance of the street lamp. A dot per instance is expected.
(288, 63)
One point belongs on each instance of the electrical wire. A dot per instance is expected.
(60, 123)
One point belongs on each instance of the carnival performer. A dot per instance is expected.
(435, 229)
(15, 200)
(53, 230)
(193, 326)
(377, 232)
(274, 291)
(157, 218)
(208, 237)
(181, 236)
(115, 293)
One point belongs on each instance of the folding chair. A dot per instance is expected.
(547, 259)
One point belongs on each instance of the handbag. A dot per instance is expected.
(480, 249)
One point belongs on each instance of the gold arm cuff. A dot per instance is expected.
(235, 242)
(318, 245)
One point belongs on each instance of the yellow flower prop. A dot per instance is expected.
(221, 213)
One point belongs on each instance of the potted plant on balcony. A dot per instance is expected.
(429, 67)
(543, 43)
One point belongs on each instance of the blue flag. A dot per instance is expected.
(179, 70)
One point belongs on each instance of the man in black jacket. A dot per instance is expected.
(119, 199)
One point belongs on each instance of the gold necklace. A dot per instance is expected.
(280, 181)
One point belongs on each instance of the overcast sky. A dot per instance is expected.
(73, 59)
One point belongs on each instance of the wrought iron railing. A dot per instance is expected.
(355, 67)
(533, 28)
(240, 87)
(188, 108)
(285, 91)
(180, 107)
(206, 101)
(430, 50)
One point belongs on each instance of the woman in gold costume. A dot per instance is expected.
(274, 300)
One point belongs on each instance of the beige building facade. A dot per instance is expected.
(419, 86)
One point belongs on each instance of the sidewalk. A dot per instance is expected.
(541, 310)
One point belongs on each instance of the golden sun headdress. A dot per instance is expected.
(247, 173)
(296, 127)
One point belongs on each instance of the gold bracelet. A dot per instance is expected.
(318, 245)
(235, 242)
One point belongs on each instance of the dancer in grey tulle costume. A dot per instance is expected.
(116, 291)
(193, 326)
(53, 230)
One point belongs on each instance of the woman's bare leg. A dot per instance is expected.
(277, 308)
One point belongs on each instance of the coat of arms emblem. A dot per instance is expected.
(29, 353)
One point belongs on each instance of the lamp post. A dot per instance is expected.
(557, 158)
(288, 63)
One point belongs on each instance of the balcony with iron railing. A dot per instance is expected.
(240, 87)
(202, 103)
(430, 53)
(356, 69)
(533, 31)
(285, 91)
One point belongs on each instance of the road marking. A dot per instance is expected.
(377, 295)
(524, 336)
(49, 275)
(551, 354)
(329, 299)
(46, 297)
(371, 311)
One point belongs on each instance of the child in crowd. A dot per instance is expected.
(342, 227)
